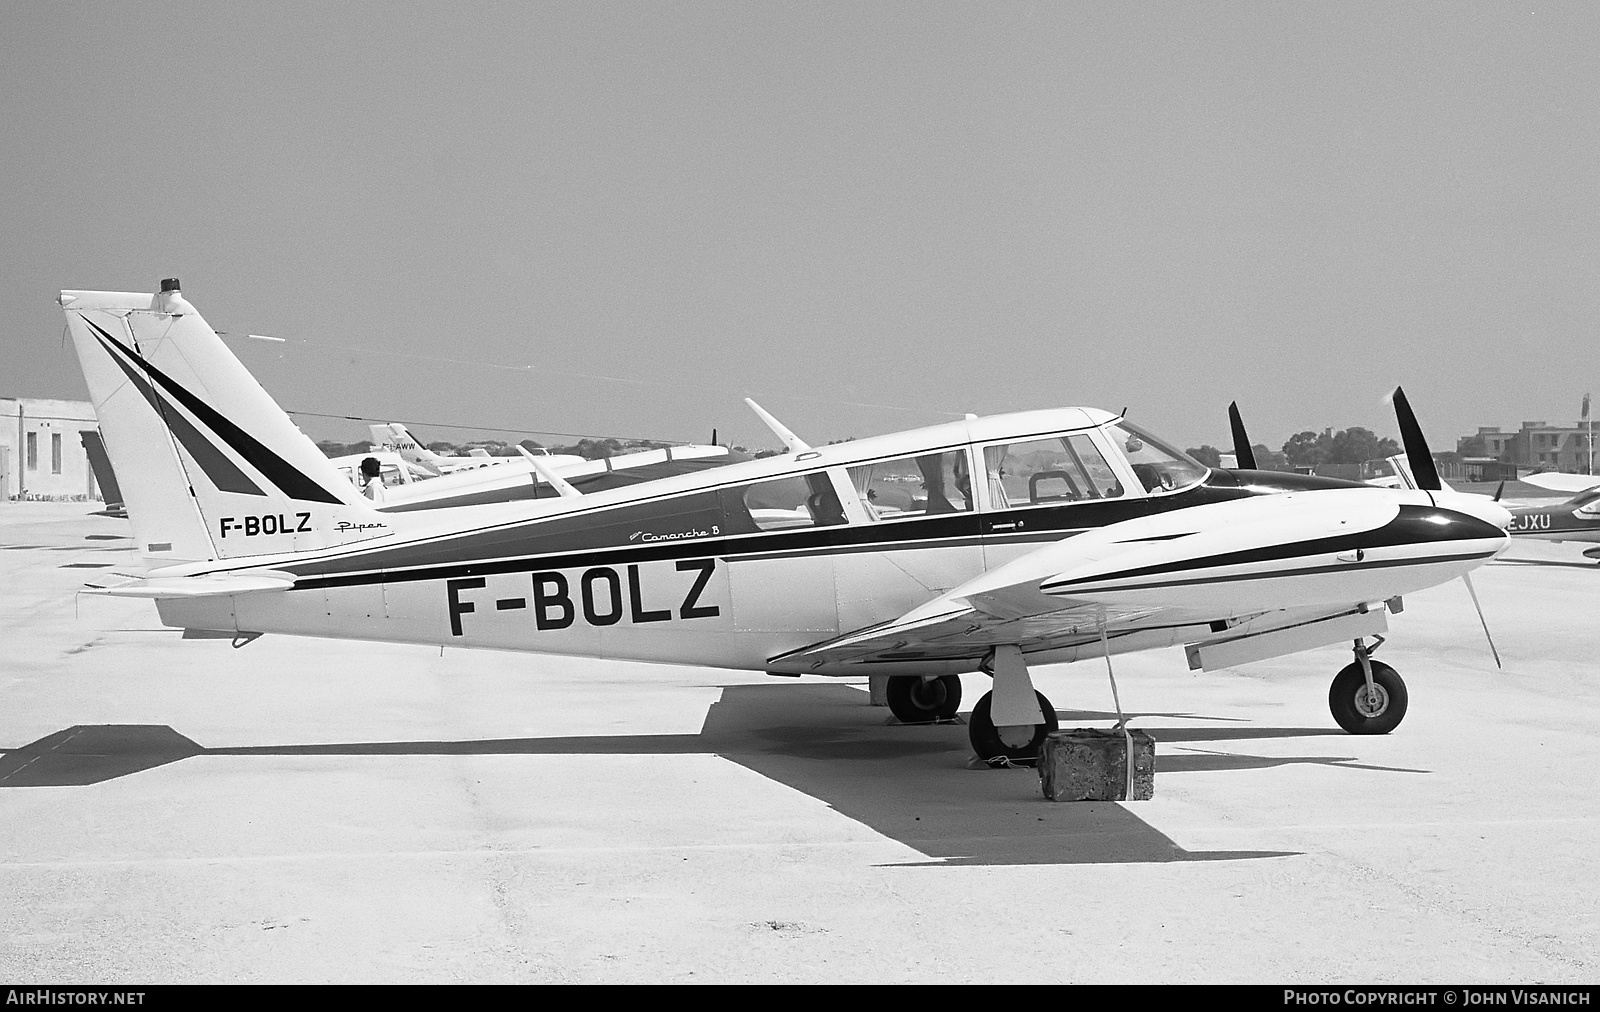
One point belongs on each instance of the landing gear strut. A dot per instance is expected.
(1368, 696)
(1009, 724)
(1012, 744)
(915, 699)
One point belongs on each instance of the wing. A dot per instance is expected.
(1557, 482)
(1206, 575)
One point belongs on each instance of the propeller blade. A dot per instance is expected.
(1499, 491)
(1243, 455)
(1468, 581)
(1417, 454)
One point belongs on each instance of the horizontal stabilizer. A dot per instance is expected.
(189, 587)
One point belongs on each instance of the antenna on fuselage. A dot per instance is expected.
(792, 441)
(560, 484)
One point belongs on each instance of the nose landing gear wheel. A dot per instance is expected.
(999, 746)
(917, 700)
(1361, 712)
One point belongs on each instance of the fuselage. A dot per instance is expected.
(1577, 519)
(735, 566)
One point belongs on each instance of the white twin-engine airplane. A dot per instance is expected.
(987, 544)
(394, 437)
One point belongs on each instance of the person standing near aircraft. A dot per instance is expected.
(372, 479)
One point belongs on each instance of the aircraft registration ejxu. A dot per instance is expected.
(987, 544)
(1576, 519)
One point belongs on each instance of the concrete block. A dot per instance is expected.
(1088, 764)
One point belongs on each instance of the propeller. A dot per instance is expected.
(1417, 454)
(1427, 479)
(1498, 492)
(1243, 455)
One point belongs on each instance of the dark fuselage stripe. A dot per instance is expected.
(277, 470)
(224, 473)
(1412, 525)
(726, 549)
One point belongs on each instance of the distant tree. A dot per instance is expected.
(1206, 454)
(1472, 446)
(1269, 460)
(332, 449)
(598, 449)
(1356, 445)
(1306, 449)
(442, 447)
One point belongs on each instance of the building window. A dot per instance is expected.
(55, 453)
(33, 451)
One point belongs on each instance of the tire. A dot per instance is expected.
(915, 700)
(992, 749)
(1347, 699)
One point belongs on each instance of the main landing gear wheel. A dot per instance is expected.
(1361, 712)
(914, 699)
(1019, 745)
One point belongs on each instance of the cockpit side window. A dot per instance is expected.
(1587, 503)
(796, 501)
(1056, 469)
(918, 486)
(1158, 466)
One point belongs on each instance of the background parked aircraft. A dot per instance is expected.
(1556, 481)
(393, 436)
(1577, 519)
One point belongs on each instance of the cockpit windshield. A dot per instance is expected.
(1159, 466)
(1587, 503)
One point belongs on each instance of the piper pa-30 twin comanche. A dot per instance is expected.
(986, 544)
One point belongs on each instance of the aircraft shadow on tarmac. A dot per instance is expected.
(910, 783)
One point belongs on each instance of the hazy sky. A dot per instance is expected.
(868, 216)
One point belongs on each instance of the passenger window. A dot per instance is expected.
(1101, 478)
(794, 502)
(914, 486)
(1054, 470)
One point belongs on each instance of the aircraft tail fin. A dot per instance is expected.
(209, 466)
(394, 437)
(94, 447)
